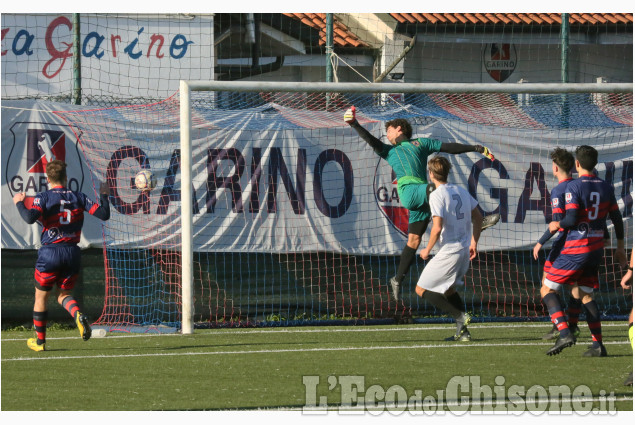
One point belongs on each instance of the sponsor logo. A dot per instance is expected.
(387, 197)
(568, 197)
(42, 147)
(34, 145)
(500, 60)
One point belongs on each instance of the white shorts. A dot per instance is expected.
(556, 286)
(445, 270)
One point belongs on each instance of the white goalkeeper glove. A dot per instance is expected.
(349, 115)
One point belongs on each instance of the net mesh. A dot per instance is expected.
(297, 221)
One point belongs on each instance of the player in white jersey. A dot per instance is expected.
(456, 227)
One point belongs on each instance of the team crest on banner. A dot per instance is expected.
(500, 60)
(385, 187)
(34, 145)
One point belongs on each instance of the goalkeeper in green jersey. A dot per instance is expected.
(408, 158)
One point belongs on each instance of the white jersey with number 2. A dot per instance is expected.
(454, 205)
(446, 269)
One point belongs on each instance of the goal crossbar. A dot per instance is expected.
(530, 88)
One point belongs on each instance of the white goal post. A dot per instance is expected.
(186, 87)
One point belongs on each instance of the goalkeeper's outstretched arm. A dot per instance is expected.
(455, 148)
(374, 142)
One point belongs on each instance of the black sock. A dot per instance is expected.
(594, 322)
(39, 323)
(558, 318)
(442, 303)
(406, 260)
(456, 301)
(70, 304)
(573, 311)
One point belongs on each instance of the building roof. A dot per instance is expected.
(342, 36)
(513, 18)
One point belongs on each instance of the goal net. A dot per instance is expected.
(293, 219)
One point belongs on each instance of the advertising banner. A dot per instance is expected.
(121, 55)
(287, 190)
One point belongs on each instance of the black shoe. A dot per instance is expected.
(561, 344)
(595, 352)
(83, 326)
(462, 322)
(575, 330)
(552, 334)
(490, 220)
(629, 380)
(463, 335)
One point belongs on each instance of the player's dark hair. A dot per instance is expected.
(56, 171)
(563, 159)
(587, 156)
(440, 168)
(406, 128)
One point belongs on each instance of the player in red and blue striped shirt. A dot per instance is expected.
(562, 165)
(589, 200)
(60, 211)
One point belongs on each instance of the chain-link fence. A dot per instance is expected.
(18, 288)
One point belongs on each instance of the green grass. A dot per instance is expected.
(264, 368)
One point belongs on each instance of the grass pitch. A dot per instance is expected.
(336, 368)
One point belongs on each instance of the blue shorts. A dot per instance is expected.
(554, 253)
(57, 265)
(571, 269)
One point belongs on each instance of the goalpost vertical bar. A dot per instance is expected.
(187, 259)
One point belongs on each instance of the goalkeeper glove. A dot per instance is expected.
(485, 152)
(349, 115)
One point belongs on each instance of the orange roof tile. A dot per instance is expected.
(342, 36)
(519, 18)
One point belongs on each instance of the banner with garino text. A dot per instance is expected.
(279, 188)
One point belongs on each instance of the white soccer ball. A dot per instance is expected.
(145, 180)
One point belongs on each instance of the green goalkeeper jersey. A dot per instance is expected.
(409, 159)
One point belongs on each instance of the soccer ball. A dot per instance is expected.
(145, 180)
